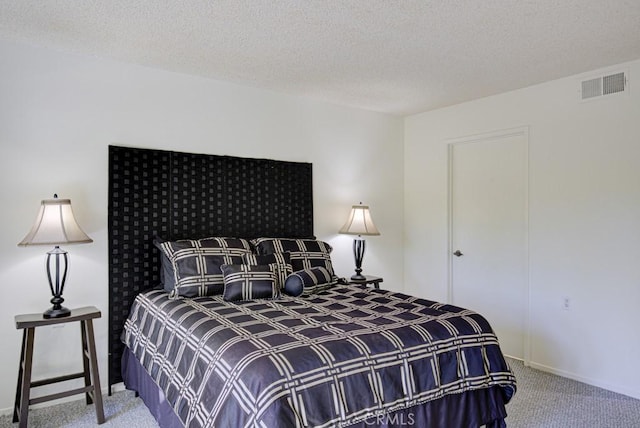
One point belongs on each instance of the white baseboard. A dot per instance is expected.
(590, 381)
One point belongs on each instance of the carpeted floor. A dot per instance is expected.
(542, 401)
(122, 410)
(549, 401)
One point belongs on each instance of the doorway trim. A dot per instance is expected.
(523, 132)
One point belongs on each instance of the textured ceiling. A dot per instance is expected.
(400, 57)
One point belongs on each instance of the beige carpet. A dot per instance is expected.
(545, 400)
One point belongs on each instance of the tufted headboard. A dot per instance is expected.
(177, 195)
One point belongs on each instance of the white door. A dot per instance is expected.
(488, 209)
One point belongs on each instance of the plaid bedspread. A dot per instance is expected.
(333, 359)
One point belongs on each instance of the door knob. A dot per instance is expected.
(457, 253)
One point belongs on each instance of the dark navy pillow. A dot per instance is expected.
(308, 281)
(247, 282)
(167, 274)
(281, 263)
(196, 263)
(305, 253)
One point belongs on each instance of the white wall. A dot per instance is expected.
(58, 114)
(584, 220)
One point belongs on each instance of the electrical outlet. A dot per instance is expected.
(566, 304)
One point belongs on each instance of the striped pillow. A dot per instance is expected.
(196, 263)
(308, 281)
(305, 253)
(281, 263)
(248, 282)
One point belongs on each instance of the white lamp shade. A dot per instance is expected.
(55, 225)
(359, 222)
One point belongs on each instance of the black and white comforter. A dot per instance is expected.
(332, 359)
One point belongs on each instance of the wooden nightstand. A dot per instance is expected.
(29, 322)
(368, 279)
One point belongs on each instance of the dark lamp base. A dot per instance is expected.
(358, 277)
(56, 312)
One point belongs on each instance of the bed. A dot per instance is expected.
(317, 352)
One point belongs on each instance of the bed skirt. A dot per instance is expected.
(483, 407)
(137, 379)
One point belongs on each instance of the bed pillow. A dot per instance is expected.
(305, 253)
(281, 263)
(167, 273)
(248, 282)
(308, 281)
(196, 263)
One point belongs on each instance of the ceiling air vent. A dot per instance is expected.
(604, 85)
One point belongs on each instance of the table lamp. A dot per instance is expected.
(56, 225)
(359, 223)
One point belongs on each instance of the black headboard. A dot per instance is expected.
(183, 195)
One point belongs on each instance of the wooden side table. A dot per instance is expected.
(29, 322)
(375, 280)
